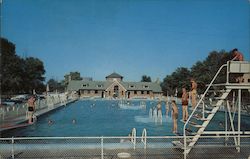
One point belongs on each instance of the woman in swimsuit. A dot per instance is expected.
(174, 116)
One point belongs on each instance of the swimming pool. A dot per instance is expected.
(102, 118)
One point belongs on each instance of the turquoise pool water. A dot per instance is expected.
(103, 118)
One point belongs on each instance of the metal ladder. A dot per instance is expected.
(201, 116)
(205, 121)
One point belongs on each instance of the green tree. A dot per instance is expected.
(204, 71)
(71, 76)
(19, 75)
(178, 79)
(33, 74)
(11, 68)
(55, 85)
(146, 78)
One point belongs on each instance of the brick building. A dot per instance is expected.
(115, 87)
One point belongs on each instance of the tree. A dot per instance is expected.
(19, 75)
(11, 70)
(178, 79)
(202, 71)
(72, 76)
(146, 78)
(33, 74)
(55, 85)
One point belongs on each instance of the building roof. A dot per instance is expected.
(76, 85)
(155, 87)
(114, 75)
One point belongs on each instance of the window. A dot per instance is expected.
(145, 86)
(142, 92)
(88, 91)
(99, 85)
(96, 91)
(85, 85)
(131, 86)
(122, 92)
(147, 92)
(135, 92)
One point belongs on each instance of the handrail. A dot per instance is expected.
(247, 71)
(211, 134)
(185, 125)
(231, 121)
(144, 138)
(133, 137)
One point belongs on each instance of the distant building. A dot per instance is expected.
(87, 79)
(115, 87)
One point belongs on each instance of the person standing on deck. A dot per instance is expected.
(31, 108)
(238, 56)
(193, 92)
(184, 102)
(174, 116)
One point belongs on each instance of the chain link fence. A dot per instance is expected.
(121, 147)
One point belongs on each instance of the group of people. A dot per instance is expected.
(184, 99)
(237, 56)
(184, 102)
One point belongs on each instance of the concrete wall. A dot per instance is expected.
(90, 93)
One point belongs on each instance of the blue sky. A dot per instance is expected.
(131, 37)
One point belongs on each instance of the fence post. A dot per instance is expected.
(102, 147)
(12, 150)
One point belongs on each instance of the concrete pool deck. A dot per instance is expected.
(10, 123)
(164, 153)
(76, 148)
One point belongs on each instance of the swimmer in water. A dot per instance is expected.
(50, 122)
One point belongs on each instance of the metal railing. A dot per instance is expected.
(133, 137)
(197, 105)
(237, 67)
(144, 138)
(232, 67)
(110, 147)
(18, 113)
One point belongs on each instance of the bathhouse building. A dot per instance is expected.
(115, 87)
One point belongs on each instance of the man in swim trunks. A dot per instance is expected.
(174, 116)
(31, 108)
(184, 101)
(238, 56)
(193, 92)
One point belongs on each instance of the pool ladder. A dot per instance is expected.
(133, 137)
(143, 138)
